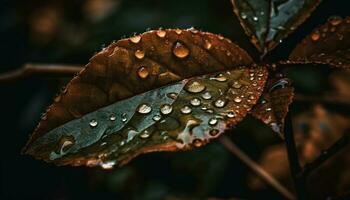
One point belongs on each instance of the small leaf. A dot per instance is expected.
(273, 105)
(164, 90)
(327, 44)
(268, 22)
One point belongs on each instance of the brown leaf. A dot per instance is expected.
(327, 44)
(268, 22)
(274, 103)
(148, 93)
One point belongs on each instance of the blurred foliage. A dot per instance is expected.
(70, 32)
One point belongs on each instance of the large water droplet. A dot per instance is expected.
(144, 108)
(135, 39)
(206, 95)
(220, 103)
(213, 121)
(180, 50)
(139, 54)
(161, 33)
(194, 86)
(255, 18)
(195, 102)
(93, 123)
(143, 72)
(186, 110)
(166, 109)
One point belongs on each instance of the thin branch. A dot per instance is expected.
(294, 163)
(229, 145)
(40, 69)
(326, 154)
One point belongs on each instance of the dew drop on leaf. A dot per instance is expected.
(197, 143)
(213, 121)
(142, 72)
(112, 117)
(144, 108)
(214, 132)
(237, 99)
(220, 103)
(124, 117)
(186, 110)
(166, 109)
(156, 117)
(195, 102)
(135, 39)
(93, 123)
(231, 114)
(194, 86)
(206, 95)
(139, 54)
(161, 33)
(207, 45)
(180, 50)
(145, 134)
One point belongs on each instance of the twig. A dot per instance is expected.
(294, 164)
(326, 154)
(229, 145)
(40, 69)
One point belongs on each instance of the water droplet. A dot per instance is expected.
(166, 109)
(139, 54)
(143, 72)
(230, 114)
(194, 87)
(219, 103)
(209, 111)
(237, 100)
(236, 85)
(124, 117)
(93, 123)
(251, 97)
(161, 33)
(335, 20)
(213, 121)
(122, 143)
(180, 50)
(145, 134)
(65, 143)
(268, 109)
(206, 95)
(207, 45)
(156, 117)
(197, 143)
(172, 95)
(108, 165)
(255, 18)
(186, 110)
(219, 78)
(195, 102)
(144, 109)
(112, 117)
(178, 31)
(315, 36)
(135, 39)
(243, 15)
(214, 132)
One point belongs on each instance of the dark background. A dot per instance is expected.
(71, 31)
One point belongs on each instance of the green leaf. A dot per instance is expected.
(268, 22)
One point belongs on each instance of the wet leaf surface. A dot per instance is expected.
(268, 22)
(273, 105)
(327, 44)
(164, 90)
